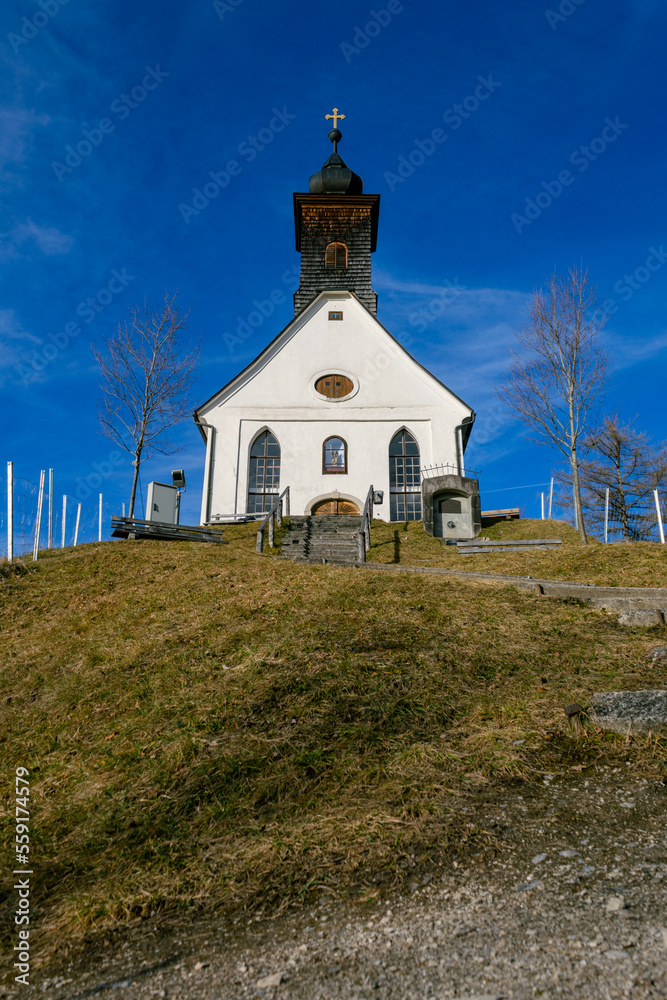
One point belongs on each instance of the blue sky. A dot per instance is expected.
(549, 110)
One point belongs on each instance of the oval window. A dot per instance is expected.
(334, 386)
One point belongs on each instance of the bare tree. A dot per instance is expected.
(560, 372)
(146, 376)
(629, 465)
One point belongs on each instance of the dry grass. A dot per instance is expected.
(636, 564)
(208, 726)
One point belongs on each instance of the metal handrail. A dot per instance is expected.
(364, 541)
(448, 470)
(273, 515)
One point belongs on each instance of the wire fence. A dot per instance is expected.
(606, 519)
(81, 518)
(65, 510)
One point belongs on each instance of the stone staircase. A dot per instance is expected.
(322, 538)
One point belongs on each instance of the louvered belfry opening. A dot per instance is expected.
(335, 255)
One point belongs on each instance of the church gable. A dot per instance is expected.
(319, 343)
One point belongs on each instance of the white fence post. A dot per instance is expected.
(76, 526)
(49, 530)
(99, 521)
(606, 516)
(659, 513)
(551, 496)
(38, 522)
(62, 527)
(10, 511)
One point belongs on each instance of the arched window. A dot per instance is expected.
(405, 498)
(335, 255)
(264, 472)
(334, 456)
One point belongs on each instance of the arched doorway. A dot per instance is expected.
(335, 505)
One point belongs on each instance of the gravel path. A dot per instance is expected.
(567, 900)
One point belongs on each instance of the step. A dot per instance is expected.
(330, 562)
(483, 543)
(344, 533)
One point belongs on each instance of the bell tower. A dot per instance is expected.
(336, 231)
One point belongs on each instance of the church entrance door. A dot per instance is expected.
(334, 506)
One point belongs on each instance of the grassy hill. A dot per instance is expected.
(207, 726)
(636, 564)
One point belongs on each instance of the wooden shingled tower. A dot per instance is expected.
(336, 231)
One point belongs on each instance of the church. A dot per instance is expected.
(334, 403)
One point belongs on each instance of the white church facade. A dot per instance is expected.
(334, 403)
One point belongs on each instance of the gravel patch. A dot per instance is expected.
(566, 900)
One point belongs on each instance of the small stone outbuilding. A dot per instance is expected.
(451, 507)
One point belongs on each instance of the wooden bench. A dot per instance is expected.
(136, 527)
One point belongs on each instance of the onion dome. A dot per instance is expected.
(335, 177)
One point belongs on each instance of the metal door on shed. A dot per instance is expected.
(445, 510)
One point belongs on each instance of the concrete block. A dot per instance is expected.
(642, 619)
(630, 711)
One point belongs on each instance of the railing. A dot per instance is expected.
(274, 515)
(448, 470)
(365, 528)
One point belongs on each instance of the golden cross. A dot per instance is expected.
(335, 117)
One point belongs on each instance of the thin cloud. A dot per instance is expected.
(11, 329)
(16, 126)
(14, 341)
(48, 239)
(629, 351)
